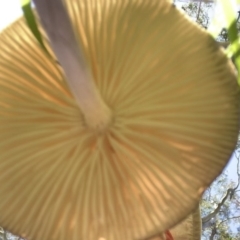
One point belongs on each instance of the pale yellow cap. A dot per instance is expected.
(174, 99)
(188, 229)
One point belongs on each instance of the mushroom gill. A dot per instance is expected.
(174, 104)
(188, 229)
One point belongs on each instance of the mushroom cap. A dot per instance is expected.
(188, 229)
(175, 105)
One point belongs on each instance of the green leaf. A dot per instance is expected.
(230, 17)
(31, 21)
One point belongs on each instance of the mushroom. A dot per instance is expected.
(188, 229)
(161, 124)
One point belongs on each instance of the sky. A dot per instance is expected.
(10, 10)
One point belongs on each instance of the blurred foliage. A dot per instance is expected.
(224, 225)
(32, 23)
(199, 12)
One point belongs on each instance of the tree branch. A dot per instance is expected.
(217, 209)
(199, 10)
(235, 217)
(213, 233)
(230, 192)
(238, 172)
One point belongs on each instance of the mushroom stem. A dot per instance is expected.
(56, 23)
(168, 235)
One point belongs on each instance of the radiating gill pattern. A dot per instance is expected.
(175, 105)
